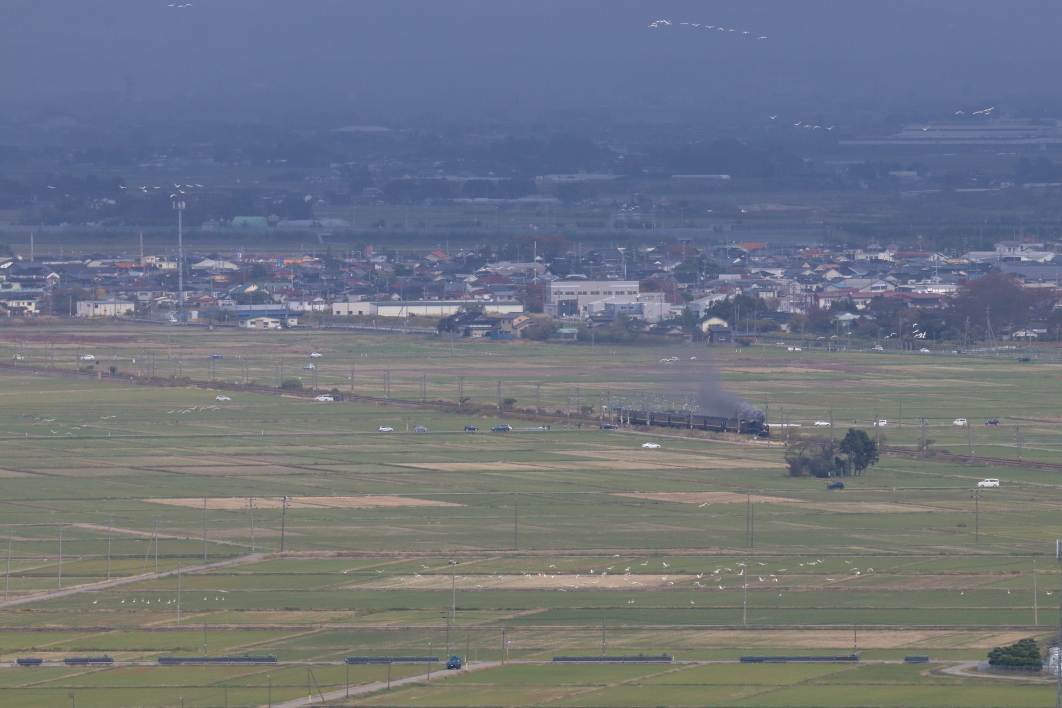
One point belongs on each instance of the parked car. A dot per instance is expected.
(822, 424)
(985, 483)
(471, 429)
(835, 485)
(924, 350)
(309, 367)
(1025, 359)
(832, 349)
(959, 421)
(18, 357)
(607, 426)
(316, 355)
(324, 398)
(651, 446)
(882, 423)
(419, 429)
(86, 357)
(216, 356)
(385, 429)
(992, 421)
(502, 428)
(878, 348)
(222, 398)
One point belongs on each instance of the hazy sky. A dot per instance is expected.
(373, 60)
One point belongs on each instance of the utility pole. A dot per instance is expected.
(748, 519)
(1017, 434)
(453, 603)
(155, 538)
(250, 507)
(604, 645)
(179, 206)
(178, 594)
(744, 592)
(60, 575)
(1058, 659)
(204, 530)
(110, 522)
(977, 517)
(7, 571)
(516, 521)
(1036, 620)
(283, 516)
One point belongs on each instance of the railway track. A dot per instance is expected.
(945, 456)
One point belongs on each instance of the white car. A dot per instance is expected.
(822, 424)
(879, 348)
(222, 398)
(652, 446)
(86, 357)
(988, 483)
(18, 357)
(324, 398)
(385, 429)
(881, 423)
(959, 421)
(923, 350)
(316, 355)
(309, 367)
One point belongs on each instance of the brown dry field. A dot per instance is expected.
(366, 502)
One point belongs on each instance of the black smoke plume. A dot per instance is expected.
(713, 399)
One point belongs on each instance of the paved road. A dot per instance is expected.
(107, 584)
(962, 668)
(373, 687)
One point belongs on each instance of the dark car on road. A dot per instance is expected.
(502, 428)
(471, 429)
(608, 426)
(992, 421)
(835, 485)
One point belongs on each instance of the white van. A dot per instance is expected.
(960, 421)
(988, 483)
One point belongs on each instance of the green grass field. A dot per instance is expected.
(560, 536)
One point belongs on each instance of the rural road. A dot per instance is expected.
(962, 668)
(106, 584)
(373, 687)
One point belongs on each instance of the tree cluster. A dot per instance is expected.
(1023, 653)
(824, 457)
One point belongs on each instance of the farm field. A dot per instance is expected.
(566, 540)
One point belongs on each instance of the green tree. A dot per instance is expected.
(1023, 653)
(860, 452)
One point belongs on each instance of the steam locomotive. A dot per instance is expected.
(694, 421)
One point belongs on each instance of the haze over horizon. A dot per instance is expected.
(332, 62)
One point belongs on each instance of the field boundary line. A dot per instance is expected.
(382, 685)
(107, 584)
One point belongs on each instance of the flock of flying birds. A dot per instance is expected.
(716, 28)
